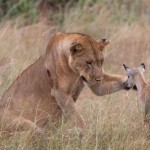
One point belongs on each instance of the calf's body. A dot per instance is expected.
(136, 77)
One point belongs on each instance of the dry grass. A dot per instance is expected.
(114, 121)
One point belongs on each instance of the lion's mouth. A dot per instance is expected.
(84, 79)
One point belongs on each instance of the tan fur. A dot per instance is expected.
(37, 97)
(136, 77)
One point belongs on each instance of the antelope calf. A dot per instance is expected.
(136, 77)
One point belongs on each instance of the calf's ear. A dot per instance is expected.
(125, 67)
(129, 70)
(142, 67)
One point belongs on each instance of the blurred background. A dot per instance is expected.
(26, 26)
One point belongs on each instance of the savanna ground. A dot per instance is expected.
(114, 122)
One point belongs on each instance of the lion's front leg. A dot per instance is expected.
(68, 108)
(19, 121)
(109, 84)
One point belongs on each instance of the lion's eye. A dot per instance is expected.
(89, 63)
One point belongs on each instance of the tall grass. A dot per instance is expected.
(114, 122)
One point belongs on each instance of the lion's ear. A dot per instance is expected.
(103, 43)
(76, 48)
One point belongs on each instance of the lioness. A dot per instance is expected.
(51, 86)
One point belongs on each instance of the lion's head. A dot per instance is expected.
(78, 52)
(86, 58)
